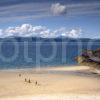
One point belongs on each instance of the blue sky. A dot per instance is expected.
(50, 18)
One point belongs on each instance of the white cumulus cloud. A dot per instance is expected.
(28, 30)
(58, 9)
(75, 33)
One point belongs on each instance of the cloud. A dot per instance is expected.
(24, 11)
(74, 9)
(75, 33)
(30, 10)
(58, 9)
(28, 30)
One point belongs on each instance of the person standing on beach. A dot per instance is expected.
(25, 80)
(36, 83)
(19, 75)
(29, 81)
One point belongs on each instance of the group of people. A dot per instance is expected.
(29, 81)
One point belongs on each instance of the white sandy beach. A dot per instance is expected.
(56, 83)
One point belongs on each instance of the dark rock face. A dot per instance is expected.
(90, 58)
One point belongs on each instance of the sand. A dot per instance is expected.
(76, 82)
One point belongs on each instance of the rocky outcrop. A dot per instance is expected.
(90, 58)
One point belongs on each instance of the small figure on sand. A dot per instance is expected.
(29, 81)
(36, 83)
(25, 80)
(19, 75)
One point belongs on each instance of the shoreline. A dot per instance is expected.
(41, 67)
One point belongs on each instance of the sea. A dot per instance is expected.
(19, 53)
